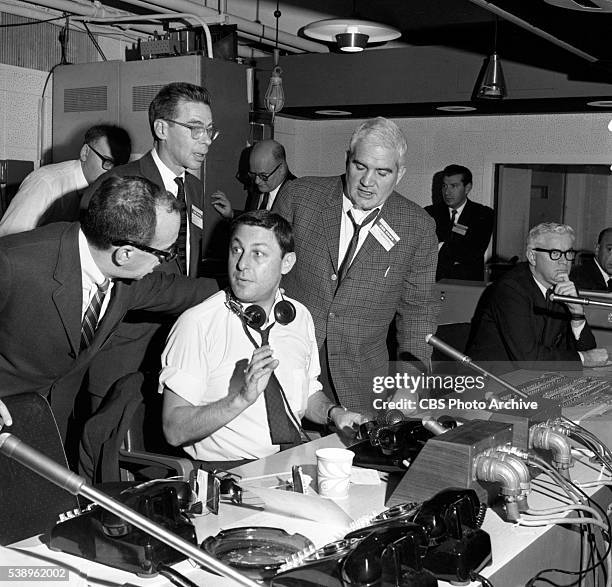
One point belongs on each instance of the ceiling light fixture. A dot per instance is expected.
(274, 98)
(491, 84)
(352, 35)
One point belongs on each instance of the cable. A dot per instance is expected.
(95, 42)
(16, 24)
(483, 580)
(174, 576)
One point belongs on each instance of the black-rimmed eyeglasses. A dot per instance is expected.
(263, 176)
(107, 162)
(556, 254)
(197, 130)
(162, 256)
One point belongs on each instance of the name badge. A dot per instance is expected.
(384, 234)
(460, 229)
(197, 217)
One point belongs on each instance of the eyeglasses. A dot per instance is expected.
(107, 162)
(162, 256)
(556, 254)
(198, 131)
(263, 176)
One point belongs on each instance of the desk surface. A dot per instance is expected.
(518, 552)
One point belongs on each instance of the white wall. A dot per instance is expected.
(21, 122)
(478, 142)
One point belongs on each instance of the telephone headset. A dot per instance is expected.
(255, 317)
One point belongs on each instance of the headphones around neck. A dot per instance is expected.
(255, 316)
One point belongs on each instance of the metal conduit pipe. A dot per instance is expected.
(267, 34)
(79, 9)
(533, 29)
(18, 9)
(541, 436)
(489, 468)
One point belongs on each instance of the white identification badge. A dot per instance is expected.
(384, 234)
(197, 217)
(460, 229)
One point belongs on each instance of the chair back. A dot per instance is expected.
(30, 504)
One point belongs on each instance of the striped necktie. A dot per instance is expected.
(92, 314)
(181, 241)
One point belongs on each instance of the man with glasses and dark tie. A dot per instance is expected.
(181, 122)
(268, 173)
(52, 193)
(517, 324)
(64, 289)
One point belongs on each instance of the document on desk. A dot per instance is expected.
(300, 505)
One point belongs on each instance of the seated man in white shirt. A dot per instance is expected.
(222, 379)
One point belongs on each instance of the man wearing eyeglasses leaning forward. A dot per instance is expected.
(52, 193)
(181, 123)
(518, 325)
(65, 288)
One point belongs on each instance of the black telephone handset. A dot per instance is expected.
(457, 545)
(103, 537)
(390, 447)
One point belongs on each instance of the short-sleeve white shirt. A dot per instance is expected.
(205, 356)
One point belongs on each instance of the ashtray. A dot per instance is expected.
(257, 552)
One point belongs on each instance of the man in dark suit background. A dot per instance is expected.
(181, 123)
(463, 227)
(268, 172)
(596, 274)
(50, 276)
(266, 175)
(356, 280)
(515, 322)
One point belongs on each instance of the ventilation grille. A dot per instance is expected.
(142, 96)
(18, 48)
(85, 99)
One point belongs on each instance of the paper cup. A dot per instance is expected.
(334, 472)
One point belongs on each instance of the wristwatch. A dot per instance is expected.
(329, 419)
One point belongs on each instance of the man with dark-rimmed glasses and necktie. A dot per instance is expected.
(516, 320)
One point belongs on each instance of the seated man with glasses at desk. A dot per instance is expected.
(241, 368)
(516, 321)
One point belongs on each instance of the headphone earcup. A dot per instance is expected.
(255, 316)
(284, 312)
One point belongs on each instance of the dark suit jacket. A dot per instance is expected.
(40, 313)
(378, 286)
(253, 196)
(194, 196)
(462, 256)
(139, 341)
(588, 276)
(513, 322)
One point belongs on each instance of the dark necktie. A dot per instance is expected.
(610, 284)
(92, 314)
(282, 431)
(453, 218)
(181, 242)
(350, 252)
(264, 201)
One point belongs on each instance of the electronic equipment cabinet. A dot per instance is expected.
(119, 92)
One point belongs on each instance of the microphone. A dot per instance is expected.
(453, 353)
(15, 449)
(553, 297)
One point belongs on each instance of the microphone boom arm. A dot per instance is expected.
(553, 297)
(41, 464)
(467, 361)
